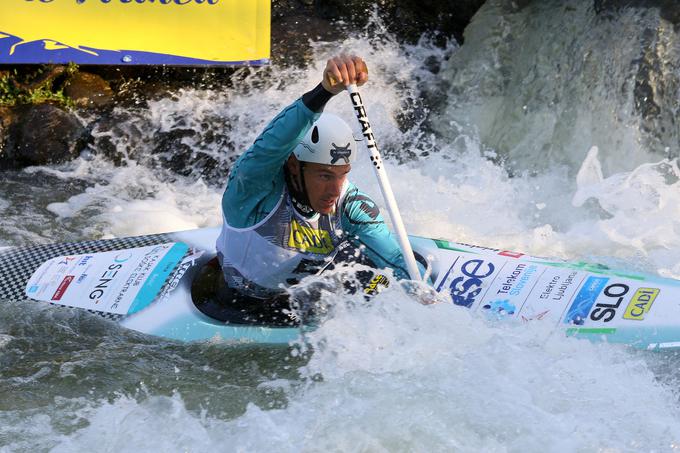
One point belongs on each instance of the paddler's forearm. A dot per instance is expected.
(316, 99)
(362, 221)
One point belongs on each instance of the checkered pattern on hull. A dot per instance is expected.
(17, 264)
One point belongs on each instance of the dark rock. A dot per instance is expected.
(41, 134)
(656, 70)
(291, 37)
(133, 85)
(89, 90)
(668, 9)
(169, 152)
(407, 19)
(6, 116)
(296, 22)
(30, 79)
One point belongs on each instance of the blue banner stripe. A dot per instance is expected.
(35, 52)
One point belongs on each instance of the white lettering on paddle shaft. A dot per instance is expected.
(363, 119)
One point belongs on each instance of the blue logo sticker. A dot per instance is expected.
(500, 308)
(466, 287)
(585, 299)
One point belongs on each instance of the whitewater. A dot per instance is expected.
(392, 375)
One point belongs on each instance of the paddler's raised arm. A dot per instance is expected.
(256, 179)
(258, 173)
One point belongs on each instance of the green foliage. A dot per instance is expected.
(45, 84)
(8, 92)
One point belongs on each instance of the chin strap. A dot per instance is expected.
(298, 192)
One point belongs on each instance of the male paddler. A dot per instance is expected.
(289, 208)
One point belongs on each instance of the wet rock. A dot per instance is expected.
(183, 159)
(89, 90)
(668, 9)
(656, 69)
(6, 116)
(292, 35)
(407, 19)
(29, 79)
(542, 81)
(40, 134)
(296, 22)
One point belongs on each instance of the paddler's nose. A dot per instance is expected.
(336, 187)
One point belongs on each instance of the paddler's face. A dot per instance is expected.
(324, 184)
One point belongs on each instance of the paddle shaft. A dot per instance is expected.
(385, 187)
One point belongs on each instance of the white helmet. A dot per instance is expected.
(329, 141)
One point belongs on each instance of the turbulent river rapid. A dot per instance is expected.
(528, 137)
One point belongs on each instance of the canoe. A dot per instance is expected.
(145, 283)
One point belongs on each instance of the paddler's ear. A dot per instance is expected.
(293, 165)
(294, 168)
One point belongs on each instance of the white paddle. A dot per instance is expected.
(385, 187)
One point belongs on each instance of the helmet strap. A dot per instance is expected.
(298, 192)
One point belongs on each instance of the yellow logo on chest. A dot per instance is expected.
(307, 239)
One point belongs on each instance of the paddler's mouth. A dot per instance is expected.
(328, 205)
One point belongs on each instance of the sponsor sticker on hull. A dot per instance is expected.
(469, 277)
(63, 286)
(602, 299)
(120, 282)
(510, 289)
(551, 294)
(641, 303)
(584, 301)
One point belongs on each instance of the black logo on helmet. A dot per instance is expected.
(338, 153)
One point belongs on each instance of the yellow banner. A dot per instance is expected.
(181, 32)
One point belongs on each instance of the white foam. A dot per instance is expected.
(135, 201)
(5, 340)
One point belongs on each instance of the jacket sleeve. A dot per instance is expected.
(256, 179)
(365, 226)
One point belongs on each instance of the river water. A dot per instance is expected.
(490, 143)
